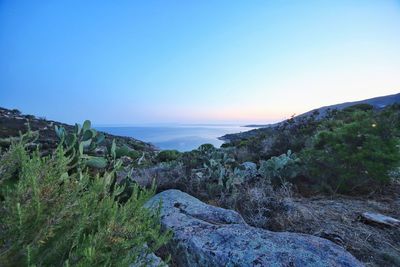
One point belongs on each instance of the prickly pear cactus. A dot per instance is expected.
(80, 145)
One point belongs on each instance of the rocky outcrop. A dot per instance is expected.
(205, 235)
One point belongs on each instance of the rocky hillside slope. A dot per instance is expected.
(377, 102)
(264, 223)
(12, 123)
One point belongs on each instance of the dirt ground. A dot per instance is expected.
(338, 219)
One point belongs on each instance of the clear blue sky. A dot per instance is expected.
(130, 62)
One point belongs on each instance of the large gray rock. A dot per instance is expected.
(205, 235)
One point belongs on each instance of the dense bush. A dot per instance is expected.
(348, 151)
(354, 151)
(51, 216)
(126, 151)
(168, 155)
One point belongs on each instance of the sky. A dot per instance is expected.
(198, 61)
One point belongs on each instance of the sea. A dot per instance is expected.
(179, 137)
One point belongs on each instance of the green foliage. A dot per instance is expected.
(12, 166)
(217, 167)
(16, 111)
(347, 151)
(96, 162)
(126, 151)
(360, 107)
(278, 170)
(51, 217)
(239, 176)
(243, 143)
(354, 151)
(81, 144)
(205, 148)
(168, 155)
(227, 145)
(292, 134)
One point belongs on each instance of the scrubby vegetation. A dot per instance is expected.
(168, 155)
(12, 122)
(61, 210)
(272, 177)
(352, 151)
(265, 176)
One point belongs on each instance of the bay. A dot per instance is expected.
(181, 137)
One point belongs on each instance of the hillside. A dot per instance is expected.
(326, 187)
(12, 123)
(377, 102)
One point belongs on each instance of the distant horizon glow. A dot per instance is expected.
(212, 62)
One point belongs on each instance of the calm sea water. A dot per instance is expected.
(182, 138)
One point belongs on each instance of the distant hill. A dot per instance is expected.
(12, 123)
(376, 102)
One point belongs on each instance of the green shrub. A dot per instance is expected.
(206, 148)
(360, 107)
(126, 151)
(226, 145)
(353, 152)
(16, 111)
(168, 155)
(50, 217)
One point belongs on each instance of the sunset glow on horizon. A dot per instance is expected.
(131, 62)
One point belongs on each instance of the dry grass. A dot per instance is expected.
(336, 219)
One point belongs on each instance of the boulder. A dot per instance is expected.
(205, 235)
